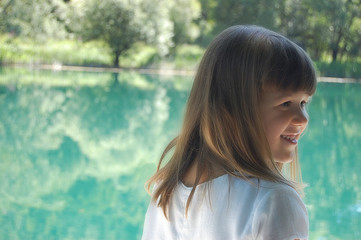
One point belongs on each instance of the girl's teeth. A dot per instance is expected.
(289, 138)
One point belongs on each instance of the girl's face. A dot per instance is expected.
(284, 117)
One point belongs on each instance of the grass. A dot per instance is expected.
(67, 52)
(141, 55)
(344, 69)
(94, 54)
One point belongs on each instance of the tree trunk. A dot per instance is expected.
(334, 53)
(117, 53)
(116, 59)
(336, 47)
(347, 38)
(344, 31)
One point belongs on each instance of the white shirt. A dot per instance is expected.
(232, 209)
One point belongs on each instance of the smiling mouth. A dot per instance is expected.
(291, 139)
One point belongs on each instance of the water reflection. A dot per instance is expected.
(76, 157)
(76, 148)
(331, 161)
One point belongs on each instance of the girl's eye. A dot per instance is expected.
(286, 104)
(303, 103)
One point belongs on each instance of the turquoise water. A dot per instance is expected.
(76, 149)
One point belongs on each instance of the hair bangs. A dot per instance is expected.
(291, 68)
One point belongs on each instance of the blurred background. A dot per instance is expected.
(92, 91)
(171, 34)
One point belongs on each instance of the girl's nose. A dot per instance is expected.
(300, 117)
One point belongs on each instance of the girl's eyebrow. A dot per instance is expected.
(285, 96)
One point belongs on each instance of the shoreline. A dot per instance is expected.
(59, 67)
(151, 71)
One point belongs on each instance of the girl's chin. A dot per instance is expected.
(285, 159)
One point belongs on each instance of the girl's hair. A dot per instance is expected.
(222, 128)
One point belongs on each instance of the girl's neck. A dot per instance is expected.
(190, 176)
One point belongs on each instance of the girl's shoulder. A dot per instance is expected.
(263, 187)
(277, 210)
(280, 192)
(280, 212)
(267, 195)
(260, 189)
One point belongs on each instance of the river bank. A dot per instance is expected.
(152, 71)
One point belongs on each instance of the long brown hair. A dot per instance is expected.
(222, 128)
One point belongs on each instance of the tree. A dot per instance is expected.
(37, 19)
(328, 28)
(5, 7)
(121, 23)
(298, 22)
(183, 14)
(346, 29)
(217, 15)
(112, 22)
(340, 16)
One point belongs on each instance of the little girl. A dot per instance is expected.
(232, 173)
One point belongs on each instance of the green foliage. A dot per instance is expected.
(346, 69)
(111, 21)
(183, 14)
(37, 19)
(72, 52)
(324, 28)
(185, 57)
(188, 56)
(140, 55)
(231, 12)
(220, 14)
(67, 52)
(121, 23)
